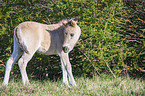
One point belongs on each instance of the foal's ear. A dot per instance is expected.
(75, 19)
(72, 23)
(64, 23)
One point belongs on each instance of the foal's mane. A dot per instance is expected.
(63, 21)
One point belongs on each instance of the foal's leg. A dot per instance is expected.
(14, 57)
(22, 64)
(67, 69)
(65, 81)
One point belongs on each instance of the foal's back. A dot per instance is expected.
(37, 37)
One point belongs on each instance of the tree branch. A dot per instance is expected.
(90, 61)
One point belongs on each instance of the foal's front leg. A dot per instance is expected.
(67, 69)
(64, 73)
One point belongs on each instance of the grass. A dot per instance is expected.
(97, 86)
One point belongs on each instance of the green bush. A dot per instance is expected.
(133, 34)
(104, 45)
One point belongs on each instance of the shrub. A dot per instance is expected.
(112, 38)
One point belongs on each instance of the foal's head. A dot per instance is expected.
(72, 33)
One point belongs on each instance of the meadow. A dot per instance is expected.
(106, 85)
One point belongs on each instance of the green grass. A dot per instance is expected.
(97, 86)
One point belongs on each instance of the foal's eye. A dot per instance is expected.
(65, 33)
(72, 34)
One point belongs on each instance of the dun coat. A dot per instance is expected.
(30, 37)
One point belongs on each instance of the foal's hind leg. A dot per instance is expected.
(22, 64)
(15, 55)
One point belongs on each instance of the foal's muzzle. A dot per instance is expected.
(65, 49)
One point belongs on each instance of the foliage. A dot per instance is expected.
(132, 32)
(97, 86)
(107, 43)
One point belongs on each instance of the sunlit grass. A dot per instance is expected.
(97, 86)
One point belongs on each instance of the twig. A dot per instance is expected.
(142, 53)
(142, 70)
(130, 40)
(107, 21)
(48, 19)
(110, 70)
(106, 25)
(90, 62)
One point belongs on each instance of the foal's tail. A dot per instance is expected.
(18, 37)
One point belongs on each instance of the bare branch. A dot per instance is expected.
(90, 61)
(142, 70)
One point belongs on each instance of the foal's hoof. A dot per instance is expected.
(4, 84)
(65, 85)
(73, 84)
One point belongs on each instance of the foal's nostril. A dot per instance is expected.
(65, 49)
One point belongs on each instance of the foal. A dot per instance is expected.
(30, 37)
